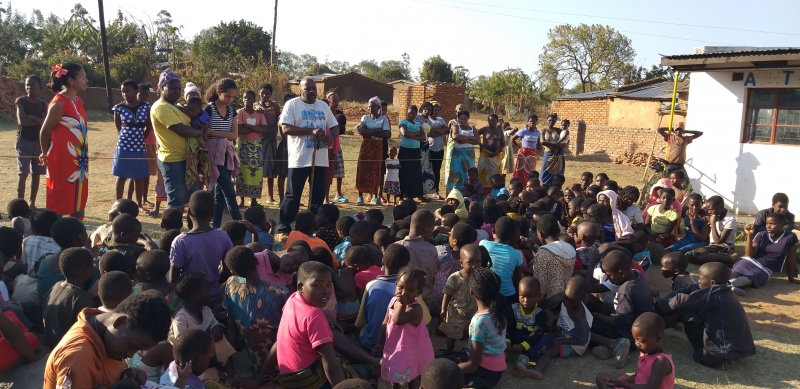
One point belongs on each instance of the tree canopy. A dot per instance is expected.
(436, 69)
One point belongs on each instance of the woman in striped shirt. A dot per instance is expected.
(222, 149)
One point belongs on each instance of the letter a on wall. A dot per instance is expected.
(751, 79)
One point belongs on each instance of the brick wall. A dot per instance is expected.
(591, 112)
(93, 98)
(448, 95)
(609, 141)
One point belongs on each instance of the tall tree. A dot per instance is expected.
(593, 56)
(318, 68)
(508, 91)
(217, 47)
(461, 76)
(436, 69)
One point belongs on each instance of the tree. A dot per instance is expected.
(217, 47)
(295, 65)
(461, 76)
(340, 66)
(594, 56)
(436, 69)
(132, 65)
(318, 68)
(18, 36)
(509, 91)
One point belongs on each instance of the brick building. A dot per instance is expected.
(446, 94)
(93, 98)
(349, 86)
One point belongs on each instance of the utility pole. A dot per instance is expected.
(274, 26)
(104, 42)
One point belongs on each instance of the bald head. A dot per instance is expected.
(308, 90)
(715, 271)
(530, 284)
(589, 230)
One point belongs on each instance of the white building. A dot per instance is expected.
(746, 100)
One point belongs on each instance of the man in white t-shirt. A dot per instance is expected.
(305, 120)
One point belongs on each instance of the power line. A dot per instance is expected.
(555, 22)
(629, 20)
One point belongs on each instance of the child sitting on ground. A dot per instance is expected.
(258, 218)
(193, 289)
(121, 206)
(67, 232)
(151, 269)
(628, 197)
(574, 326)
(343, 226)
(304, 230)
(113, 288)
(125, 232)
(279, 267)
(642, 255)
(237, 231)
(382, 238)
(655, 368)
(487, 332)
(378, 294)
(472, 179)
(765, 253)
(193, 350)
(165, 243)
(458, 305)
(673, 265)
(444, 229)
(588, 252)
(41, 242)
(19, 212)
(555, 260)
(66, 299)
(172, 219)
(498, 186)
(723, 230)
(527, 331)
(678, 180)
(695, 226)
(18, 346)
(361, 235)
(358, 261)
(780, 204)
(88, 359)
(613, 333)
(661, 219)
(325, 222)
(404, 341)
(713, 318)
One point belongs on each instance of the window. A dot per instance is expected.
(773, 117)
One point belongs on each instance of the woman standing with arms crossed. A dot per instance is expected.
(409, 156)
(269, 140)
(373, 128)
(461, 151)
(530, 141)
(437, 139)
(221, 148)
(65, 150)
(555, 140)
(132, 119)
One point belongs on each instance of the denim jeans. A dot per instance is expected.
(174, 174)
(224, 194)
(295, 182)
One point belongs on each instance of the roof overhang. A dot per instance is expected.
(738, 61)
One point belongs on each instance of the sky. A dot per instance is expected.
(484, 36)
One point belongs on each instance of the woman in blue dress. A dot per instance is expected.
(555, 140)
(132, 118)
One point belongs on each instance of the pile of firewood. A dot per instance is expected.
(9, 91)
(635, 159)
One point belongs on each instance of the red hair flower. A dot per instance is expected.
(59, 71)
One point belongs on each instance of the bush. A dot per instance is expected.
(132, 65)
(41, 68)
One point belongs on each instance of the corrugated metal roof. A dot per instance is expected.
(737, 54)
(651, 89)
(654, 91)
(588, 95)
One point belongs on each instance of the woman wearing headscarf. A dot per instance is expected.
(373, 128)
(460, 152)
(555, 140)
(613, 220)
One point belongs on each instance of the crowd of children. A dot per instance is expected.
(532, 271)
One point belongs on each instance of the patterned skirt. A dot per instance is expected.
(428, 183)
(525, 163)
(338, 167)
(392, 188)
(459, 163)
(250, 178)
(489, 166)
(368, 173)
(552, 164)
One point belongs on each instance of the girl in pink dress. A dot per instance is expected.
(655, 368)
(408, 346)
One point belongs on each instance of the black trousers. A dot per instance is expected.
(436, 158)
(295, 183)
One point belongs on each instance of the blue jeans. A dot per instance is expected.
(224, 194)
(174, 174)
(295, 182)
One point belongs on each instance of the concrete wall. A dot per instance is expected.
(400, 86)
(448, 95)
(639, 113)
(591, 112)
(93, 98)
(745, 175)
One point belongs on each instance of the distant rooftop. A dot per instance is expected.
(710, 58)
(654, 89)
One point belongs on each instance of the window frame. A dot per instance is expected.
(774, 125)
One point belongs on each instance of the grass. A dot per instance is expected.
(772, 311)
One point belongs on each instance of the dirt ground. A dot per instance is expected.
(772, 311)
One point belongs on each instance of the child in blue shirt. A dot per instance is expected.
(343, 228)
(258, 217)
(498, 186)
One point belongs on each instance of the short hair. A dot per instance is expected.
(10, 243)
(155, 262)
(322, 255)
(194, 100)
(125, 223)
(516, 185)
(376, 215)
(548, 225)
(42, 221)
(353, 383)
(113, 287)
(780, 198)
(577, 287)
(678, 174)
(446, 210)
(668, 191)
(344, 224)
(362, 227)
(380, 235)
(531, 282)
(250, 92)
(413, 275)
(309, 270)
(396, 257)
(442, 373)
(126, 384)
(127, 206)
(617, 260)
(402, 234)
(235, 230)
(533, 175)
(35, 78)
(74, 260)
(611, 184)
(717, 271)
(144, 87)
(450, 219)
(651, 323)
(715, 201)
(464, 234)
(492, 213)
(201, 205)
(498, 177)
(605, 176)
(629, 190)
(384, 103)
(265, 86)
(400, 212)
(191, 283)
(778, 217)
(588, 203)
(256, 247)
(148, 313)
(505, 228)
(18, 208)
(241, 261)
(469, 187)
(329, 210)
(423, 217)
(165, 243)
(113, 261)
(304, 222)
(191, 344)
(130, 83)
(677, 259)
(303, 245)
(596, 208)
(477, 218)
(410, 204)
(494, 116)
(694, 197)
(65, 231)
(486, 258)
(172, 219)
(356, 255)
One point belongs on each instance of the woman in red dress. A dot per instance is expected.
(65, 150)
